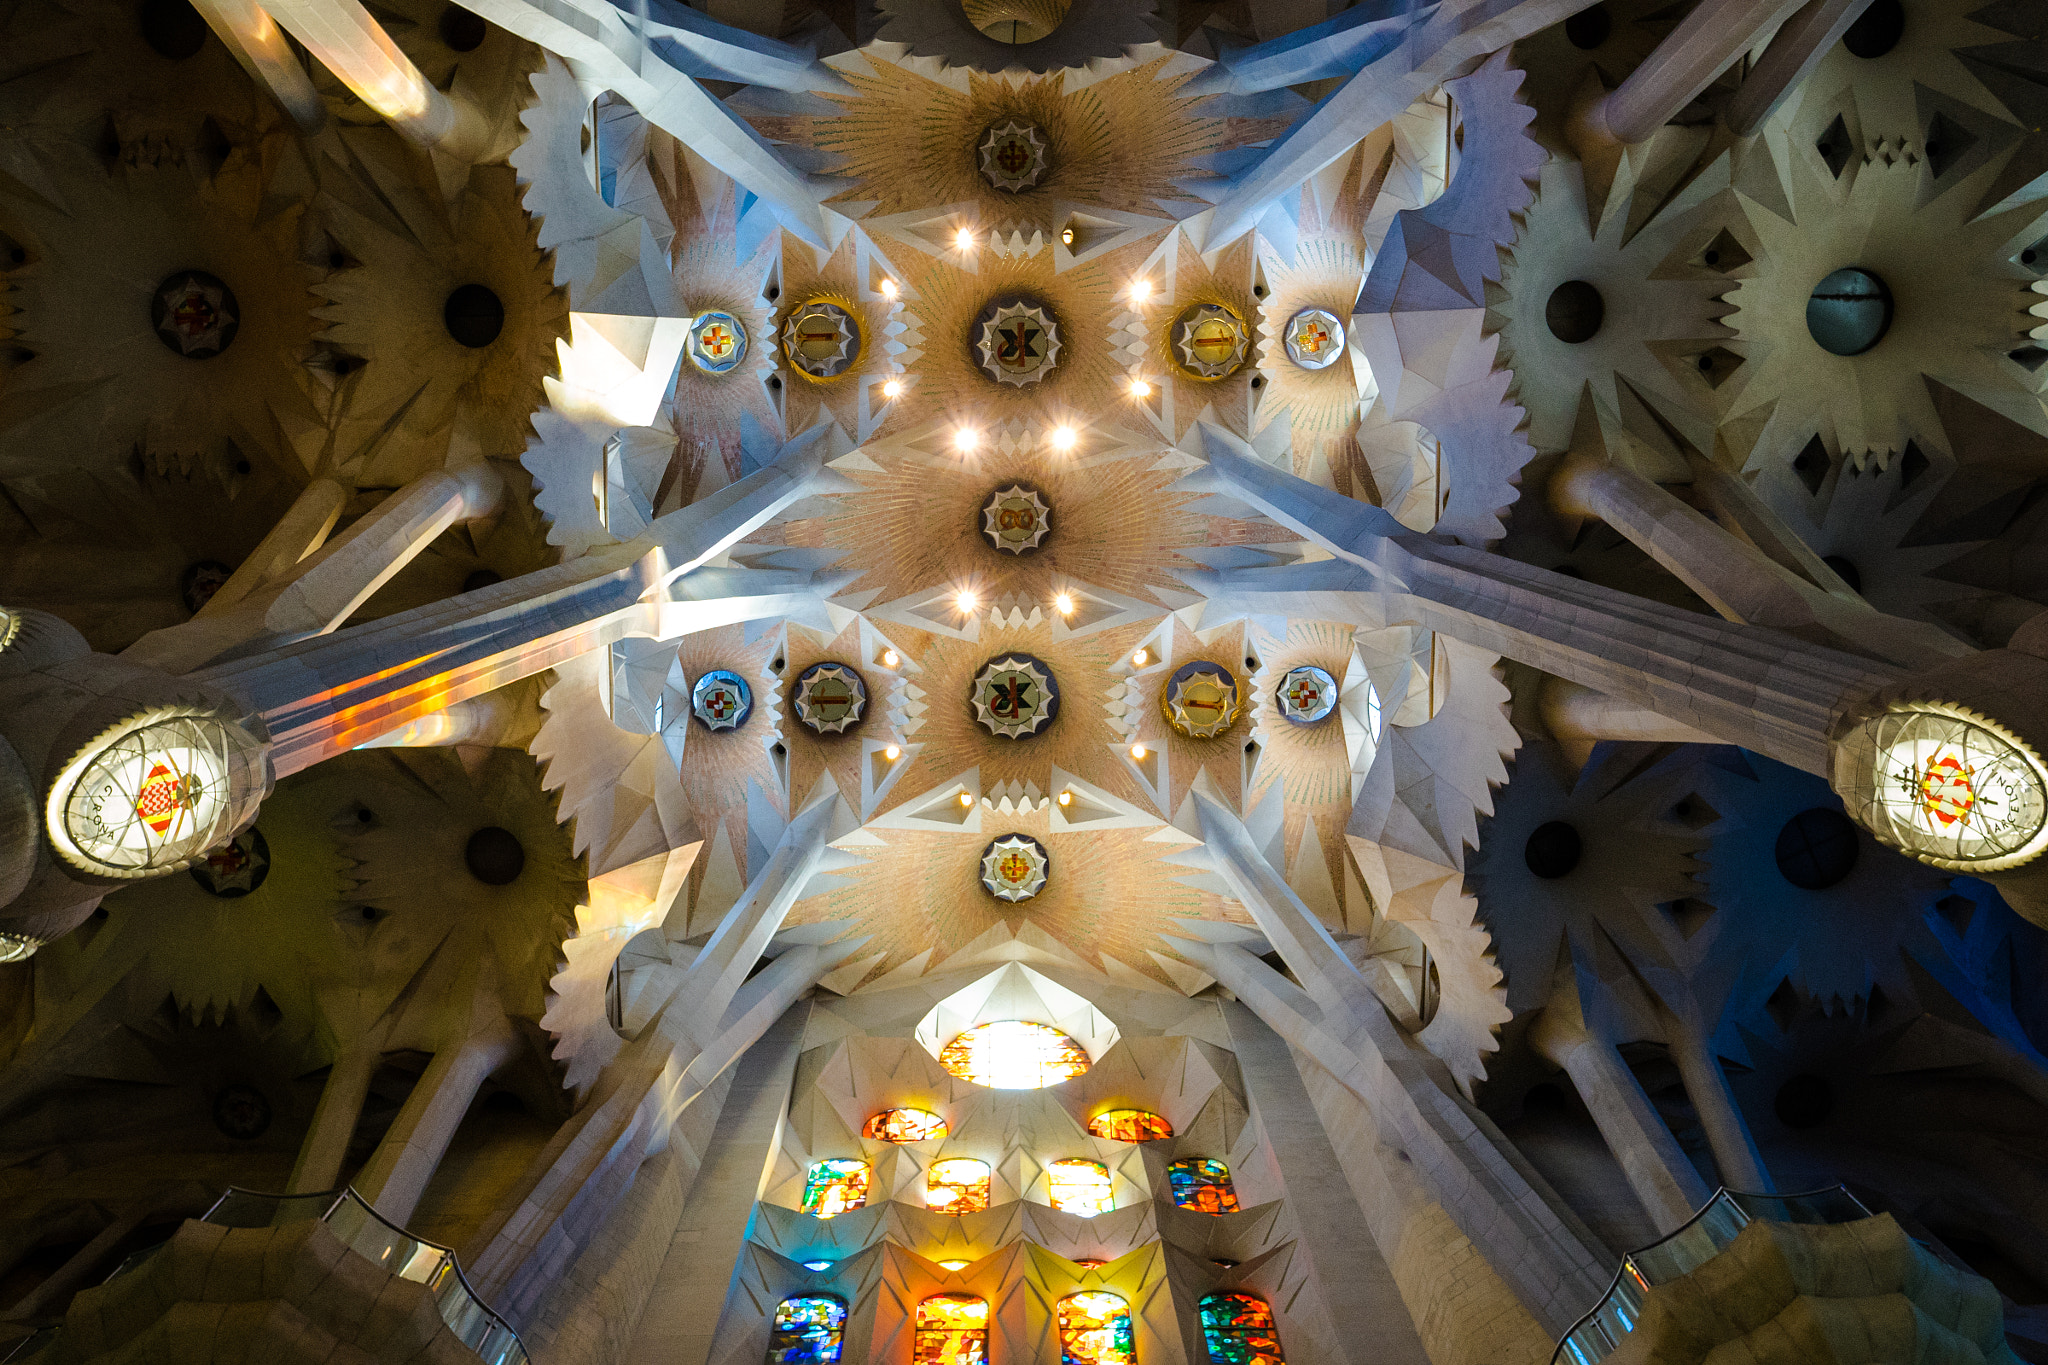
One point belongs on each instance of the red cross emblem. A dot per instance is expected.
(1945, 790)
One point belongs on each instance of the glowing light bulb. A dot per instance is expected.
(1063, 604)
(1140, 389)
(1138, 752)
(965, 800)
(892, 753)
(966, 439)
(955, 1265)
(964, 239)
(817, 1265)
(888, 289)
(1066, 798)
(1141, 658)
(1066, 236)
(890, 658)
(967, 599)
(892, 389)
(1063, 438)
(1141, 290)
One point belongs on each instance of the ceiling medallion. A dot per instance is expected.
(717, 341)
(1013, 155)
(237, 867)
(1314, 338)
(830, 698)
(1307, 694)
(721, 700)
(1017, 342)
(1201, 700)
(195, 314)
(1209, 341)
(1016, 519)
(821, 339)
(1015, 867)
(1015, 696)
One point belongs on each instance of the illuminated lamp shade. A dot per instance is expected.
(1011, 1054)
(952, 1329)
(1130, 1125)
(835, 1186)
(904, 1125)
(1238, 1330)
(1095, 1329)
(1202, 1184)
(957, 1185)
(153, 793)
(809, 1330)
(1077, 1185)
(1947, 785)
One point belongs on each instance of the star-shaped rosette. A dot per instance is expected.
(1307, 694)
(196, 314)
(721, 700)
(1210, 341)
(1015, 867)
(820, 339)
(718, 341)
(1202, 699)
(830, 697)
(1314, 338)
(1015, 696)
(1016, 519)
(1013, 155)
(1017, 342)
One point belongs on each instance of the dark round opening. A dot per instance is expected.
(1877, 30)
(1805, 1102)
(1545, 1098)
(241, 1112)
(1706, 363)
(473, 316)
(481, 578)
(1711, 256)
(494, 856)
(200, 581)
(1817, 848)
(195, 314)
(172, 28)
(1574, 312)
(1844, 570)
(462, 30)
(1589, 28)
(1553, 850)
(1849, 311)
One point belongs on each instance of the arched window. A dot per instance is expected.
(807, 1331)
(1203, 1184)
(1011, 1054)
(952, 1329)
(1239, 1330)
(1095, 1329)
(956, 1185)
(904, 1125)
(1130, 1125)
(832, 1187)
(1079, 1186)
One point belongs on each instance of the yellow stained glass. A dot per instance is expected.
(1080, 1186)
(832, 1187)
(1011, 1054)
(1095, 1329)
(904, 1125)
(952, 1329)
(1130, 1125)
(956, 1185)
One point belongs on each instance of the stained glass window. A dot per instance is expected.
(956, 1185)
(952, 1329)
(807, 1331)
(1080, 1186)
(1239, 1330)
(1095, 1329)
(1011, 1054)
(1203, 1184)
(904, 1125)
(832, 1187)
(1130, 1125)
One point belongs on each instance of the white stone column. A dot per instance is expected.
(334, 1120)
(1576, 713)
(1683, 64)
(397, 1173)
(1706, 1085)
(259, 45)
(343, 36)
(1793, 54)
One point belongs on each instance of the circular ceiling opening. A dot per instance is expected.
(1817, 848)
(1016, 21)
(1849, 311)
(494, 856)
(461, 30)
(172, 28)
(1805, 1102)
(1574, 312)
(473, 316)
(1553, 850)
(1589, 28)
(1877, 30)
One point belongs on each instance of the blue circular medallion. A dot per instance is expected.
(1307, 694)
(718, 342)
(721, 700)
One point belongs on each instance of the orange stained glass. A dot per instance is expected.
(1011, 1054)
(1080, 1186)
(956, 1185)
(832, 1187)
(952, 1329)
(1130, 1125)
(1202, 1184)
(904, 1125)
(1095, 1329)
